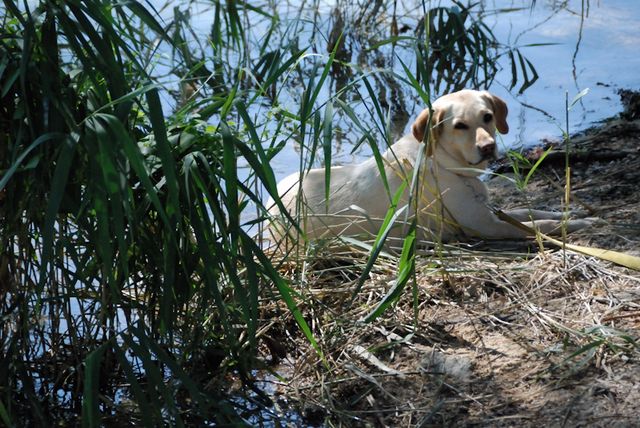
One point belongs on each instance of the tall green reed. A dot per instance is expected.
(128, 270)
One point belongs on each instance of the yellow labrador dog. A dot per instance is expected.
(445, 194)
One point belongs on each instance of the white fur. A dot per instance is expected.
(449, 199)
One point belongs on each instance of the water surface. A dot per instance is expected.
(573, 44)
(594, 47)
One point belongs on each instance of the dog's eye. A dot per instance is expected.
(488, 117)
(461, 125)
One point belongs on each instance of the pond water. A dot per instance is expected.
(595, 47)
(574, 45)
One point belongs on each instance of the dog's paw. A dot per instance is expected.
(596, 221)
(584, 214)
(585, 222)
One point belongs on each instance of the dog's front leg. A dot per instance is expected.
(525, 214)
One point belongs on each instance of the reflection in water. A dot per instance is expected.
(504, 45)
(551, 41)
(380, 60)
(562, 40)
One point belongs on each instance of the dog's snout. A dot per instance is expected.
(485, 143)
(487, 148)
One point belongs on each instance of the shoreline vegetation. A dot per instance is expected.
(492, 334)
(134, 162)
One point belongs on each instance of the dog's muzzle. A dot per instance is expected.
(487, 150)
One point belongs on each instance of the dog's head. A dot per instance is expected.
(463, 125)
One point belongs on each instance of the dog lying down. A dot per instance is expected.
(450, 202)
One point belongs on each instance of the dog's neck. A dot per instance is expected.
(444, 160)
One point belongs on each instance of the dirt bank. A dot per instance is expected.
(506, 335)
(605, 172)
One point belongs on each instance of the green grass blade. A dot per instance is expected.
(415, 84)
(535, 166)
(172, 206)
(91, 400)
(327, 147)
(58, 190)
(406, 269)
(156, 118)
(14, 167)
(252, 285)
(4, 415)
(325, 73)
(230, 173)
(389, 222)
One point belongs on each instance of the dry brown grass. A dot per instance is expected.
(502, 341)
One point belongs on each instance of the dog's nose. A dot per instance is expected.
(487, 148)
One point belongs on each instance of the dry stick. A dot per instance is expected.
(616, 317)
(623, 259)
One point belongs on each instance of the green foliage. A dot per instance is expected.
(125, 257)
(523, 168)
(129, 270)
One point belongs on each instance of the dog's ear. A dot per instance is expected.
(500, 112)
(419, 127)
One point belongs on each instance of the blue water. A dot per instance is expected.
(583, 44)
(574, 45)
(595, 48)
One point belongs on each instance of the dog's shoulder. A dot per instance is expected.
(406, 147)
